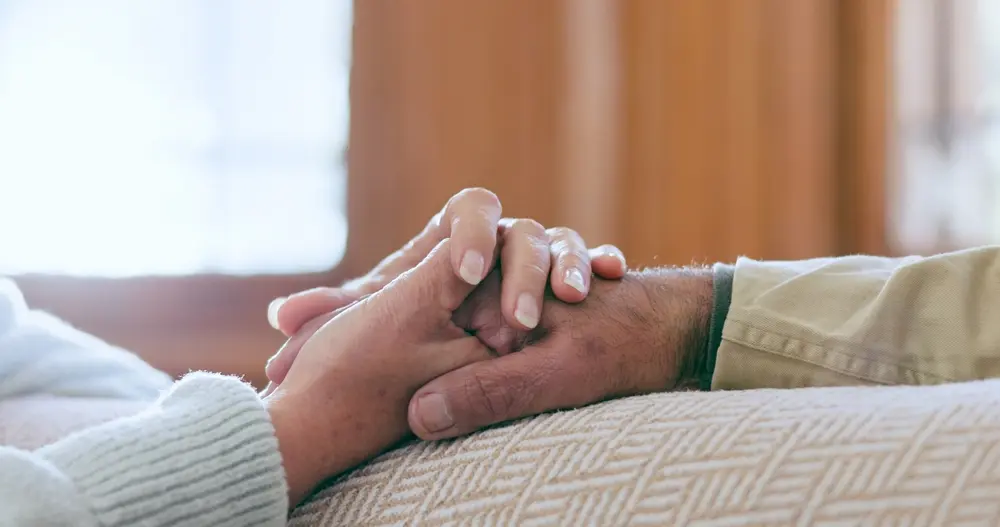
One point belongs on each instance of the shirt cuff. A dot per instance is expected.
(722, 295)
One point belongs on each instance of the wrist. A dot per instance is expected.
(680, 310)
(322, 436)
(301, 456)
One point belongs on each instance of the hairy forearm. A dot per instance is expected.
(680, 301)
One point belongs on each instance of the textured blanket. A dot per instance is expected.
(845, 456)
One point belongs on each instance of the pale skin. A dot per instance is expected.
(645, 333)
(341, 386)
(640, 332)
(344, 399)
(532, 258)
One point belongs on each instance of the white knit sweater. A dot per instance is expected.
(203, 453)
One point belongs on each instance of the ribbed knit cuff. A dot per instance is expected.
(204, 454)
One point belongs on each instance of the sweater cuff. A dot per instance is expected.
(204, 454)
(722, 294)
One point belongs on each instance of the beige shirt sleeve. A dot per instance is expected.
(862, 320)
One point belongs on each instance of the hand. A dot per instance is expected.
(345, 398)
(646, 333)
(471, 219)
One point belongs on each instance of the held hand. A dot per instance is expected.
(345, 398)
(532, 256)
(309, 310)
(643, 334)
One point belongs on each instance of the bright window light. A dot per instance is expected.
(166, 137)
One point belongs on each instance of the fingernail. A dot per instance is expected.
(526, 310)
(272, 311)
(472, 267)
(617, 254)
(434, 413)
(574, 279)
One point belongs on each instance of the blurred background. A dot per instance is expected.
(167, 167)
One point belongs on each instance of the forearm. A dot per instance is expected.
(317, 447)
(862, 320)
(680, 301)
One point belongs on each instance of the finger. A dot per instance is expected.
(415, 250)
(525, 264)
(277, 366)
(288, 314)
(505, 388)
(432, 284)
(608, 261)
(471, 217)
(458, 353)
(570, 265)
(465, 212)
(291, 313)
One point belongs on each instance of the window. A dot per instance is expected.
(948, 93)
(172, 137)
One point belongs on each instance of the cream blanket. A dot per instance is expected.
(845, 456)
(919, 456)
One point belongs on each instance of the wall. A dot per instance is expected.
(680, 130)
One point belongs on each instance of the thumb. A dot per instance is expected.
(536, 380)
(431, 284)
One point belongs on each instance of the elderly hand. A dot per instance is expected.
(530, 256)
(645, 333)
(472, 220)
(345, 398)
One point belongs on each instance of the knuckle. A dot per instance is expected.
(532, 260)
(533, 272)
(470, 207)
(572, 258)
(561, 233)
(529, 227)
(376, 309)
(529, 235)
(495, 395)
(565, 239)
(478, 195)
(527, 250)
